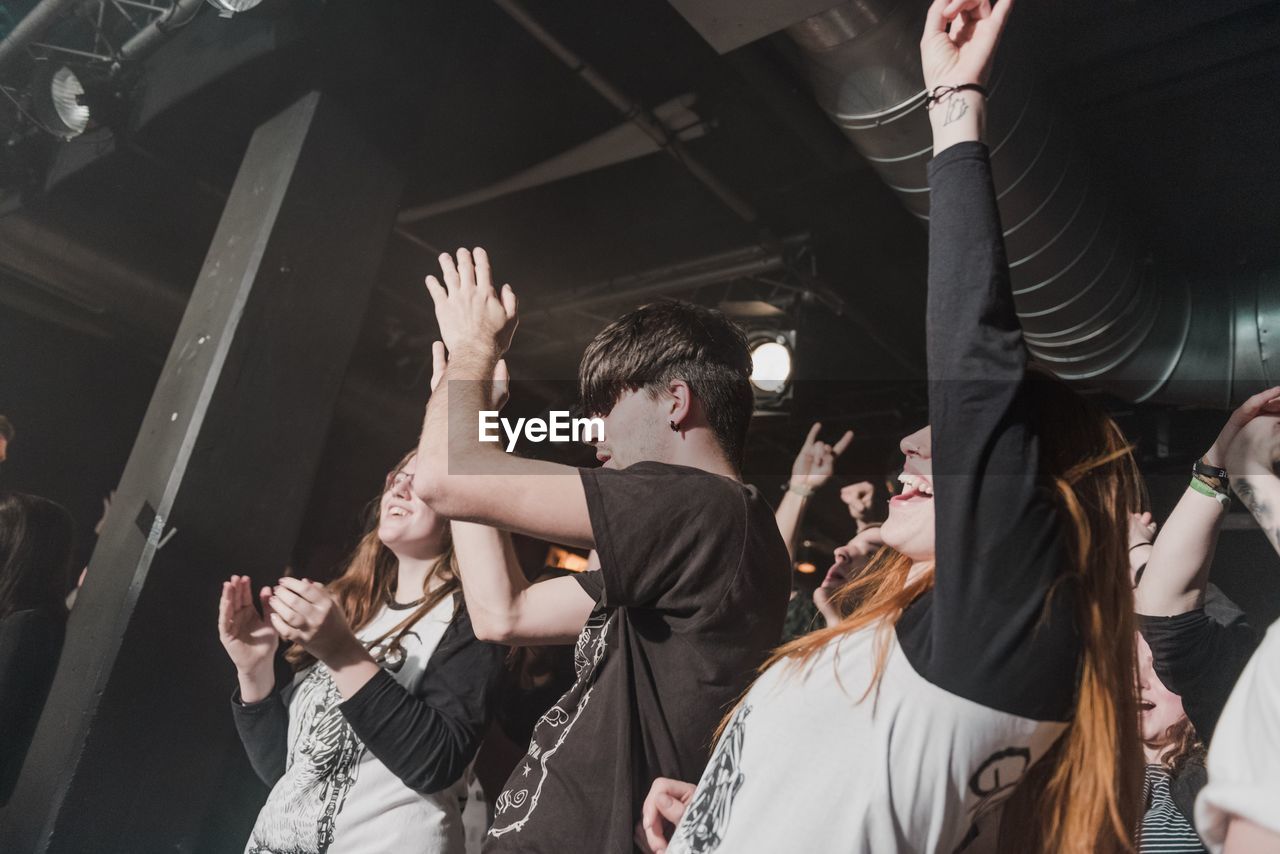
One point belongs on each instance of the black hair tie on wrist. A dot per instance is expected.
(937, 93)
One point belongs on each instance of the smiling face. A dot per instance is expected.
(406, 525)
(633, 431)
(909, 527)
(1158, 707)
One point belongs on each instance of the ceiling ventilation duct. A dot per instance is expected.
(1094, 310)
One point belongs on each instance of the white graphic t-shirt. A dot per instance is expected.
(1244, 757)
(335, 796)
(911, 767)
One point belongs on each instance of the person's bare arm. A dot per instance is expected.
(812, 468)
(459, 476)
(504, 606)
(1178, 569)
(1245, 837)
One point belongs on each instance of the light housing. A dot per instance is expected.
(58, 100)
(227, 8)
(773, 357)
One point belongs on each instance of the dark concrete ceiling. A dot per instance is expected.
(1176, 100)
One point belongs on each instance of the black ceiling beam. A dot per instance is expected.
(128, 754)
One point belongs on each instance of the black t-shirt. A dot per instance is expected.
(691, 593)
(1200, 658)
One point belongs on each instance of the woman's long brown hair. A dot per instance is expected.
(1090, 797)
(369, 580)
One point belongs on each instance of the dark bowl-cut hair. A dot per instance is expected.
(665, 341)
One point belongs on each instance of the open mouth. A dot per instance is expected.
(914, 488)
(1144, 706)
(396, 512)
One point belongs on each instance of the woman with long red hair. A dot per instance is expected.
(999, 620)
(366, 746)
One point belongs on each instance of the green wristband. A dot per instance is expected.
(1205, 489)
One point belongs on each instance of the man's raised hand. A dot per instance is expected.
(471, 314)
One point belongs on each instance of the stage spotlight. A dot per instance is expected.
(771, 365)
(59, 101)
(227, 8)
(772, 368)
(771, 341)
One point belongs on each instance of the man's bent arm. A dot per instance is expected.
(468, 480)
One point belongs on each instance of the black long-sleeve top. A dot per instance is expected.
(983, 675)
(426, 738)
(988, 631)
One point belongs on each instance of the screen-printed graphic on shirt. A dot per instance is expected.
(303, 807)
(517, 802)
(709, 812)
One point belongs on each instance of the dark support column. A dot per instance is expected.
(137, 727)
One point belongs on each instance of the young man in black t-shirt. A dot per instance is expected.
(693, 577)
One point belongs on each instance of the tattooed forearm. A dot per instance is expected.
(1248, 491)
(957, 106)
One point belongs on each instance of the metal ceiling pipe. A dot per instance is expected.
(153, 34)
(34, 25)
(1093, 309)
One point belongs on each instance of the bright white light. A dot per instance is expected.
(227, 8)
(65, 90)
(770, 366)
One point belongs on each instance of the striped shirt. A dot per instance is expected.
(1165, 830)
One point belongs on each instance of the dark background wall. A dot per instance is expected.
(76, 402)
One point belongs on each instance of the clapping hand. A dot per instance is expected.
(248, 637)
(305, 613)
(471, 314)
